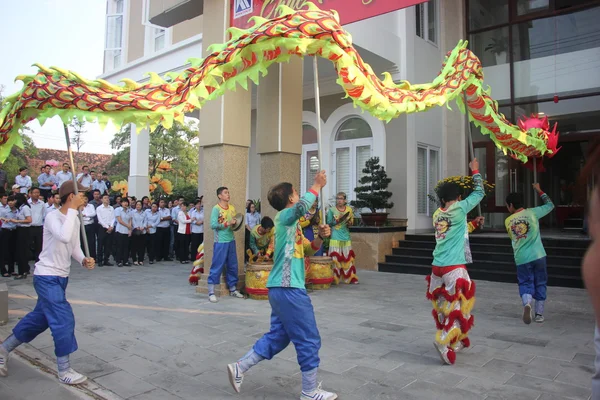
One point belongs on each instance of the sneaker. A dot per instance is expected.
(119, 265)
(71, 377)
(3, 362)
(212, 298)
(447, 355)
(461, 345)
(107, 264)
(235, 376)
(318, 394)
(527, 314)
(539, 318)
(126, 264)
(237, 294)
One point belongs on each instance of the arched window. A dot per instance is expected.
(352, 148)
(310, 156)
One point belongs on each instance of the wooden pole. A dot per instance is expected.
(535, 176)
(470, 139)
(86, 247)
(319, 141)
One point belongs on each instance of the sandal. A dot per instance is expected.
(135, 263)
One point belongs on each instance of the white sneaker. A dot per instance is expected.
(539, 318)
(318, 394)
(235, 376)
(527, 314)
(212, 298)
(71, 377)
(3, 362)
(237, 294)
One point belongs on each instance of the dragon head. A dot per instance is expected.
(540, 128)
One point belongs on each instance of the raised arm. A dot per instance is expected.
(544, 209)
(477, 194)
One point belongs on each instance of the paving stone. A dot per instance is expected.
(480, 355)
(382, 326)
(138, 366)
(484, 387)
(547, 371)
(93, 367)
(426, 390)
(156, 394)
(555, 388)
(519, 339)
(124, 384)
(184, 386)
(376, 376)
(584, 359)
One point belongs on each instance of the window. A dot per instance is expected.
(310, 157)
(428, 175)
(426, 20)
(113, 47)
(159, 38)
(156, 38)
(353, 147)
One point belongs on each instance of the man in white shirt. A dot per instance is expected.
(85, 179)
(89, 223)
(23, 180)
(106, 223)
(38, 214)
(100, 185)
(61, 242)
(164, 232)
(123, 229)
(64, 175)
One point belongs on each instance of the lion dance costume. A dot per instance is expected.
(449, 288)
(340, 246)
(198, 268)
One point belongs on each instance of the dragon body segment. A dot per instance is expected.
(247, 55)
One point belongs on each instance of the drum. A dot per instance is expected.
(257, 274)
(320, 274)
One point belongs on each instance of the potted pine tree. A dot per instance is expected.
(372, 193)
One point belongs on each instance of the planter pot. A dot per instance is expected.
(501, 58)
(374, 219)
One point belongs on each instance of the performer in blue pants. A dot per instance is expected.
(51, 276)
(292, 315)
(222, 219)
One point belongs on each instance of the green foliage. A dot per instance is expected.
(176, 146)
(373, 194)
(257, 204)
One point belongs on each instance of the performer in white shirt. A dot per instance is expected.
(64, 175)
(61, 242)
(23, 180)
(106, 227)
(89, 222)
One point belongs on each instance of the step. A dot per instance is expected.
(567, 270)
(504, 256)
(482, 274)
(505, 241)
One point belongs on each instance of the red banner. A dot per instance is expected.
(349, 10)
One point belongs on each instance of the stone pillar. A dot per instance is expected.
(139, 161)
(224, 140)
(279, 128)
(455, 141)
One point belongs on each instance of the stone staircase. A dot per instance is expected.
(492, 259)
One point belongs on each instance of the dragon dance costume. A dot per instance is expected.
(262, 243)
(449, 287)
(310, 226)
(340, 246)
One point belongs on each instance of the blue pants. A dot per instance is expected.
(224, 253)
(532, 279)
(292, 319)
(51, 311)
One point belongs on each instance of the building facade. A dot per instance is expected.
(529, 53)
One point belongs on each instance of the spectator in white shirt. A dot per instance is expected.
(61, 242)
(152, 219)
(163, 232)
(23, 221)
(197, 216)
(53, 204)
(64, 175)
(38, 214)
(106, 222)
(124, 228)
(23, 180)
(85, 179)
(99, 185)
(184, 232)
(138, 235)
(89, 223)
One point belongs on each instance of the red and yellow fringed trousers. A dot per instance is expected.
(343, 261)
(452, 294)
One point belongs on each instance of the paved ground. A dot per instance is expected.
(144, 333)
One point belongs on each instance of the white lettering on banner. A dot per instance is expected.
(242, 7)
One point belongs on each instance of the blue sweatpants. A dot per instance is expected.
(292, 319)
(224, 253)
(51, 311)
(533, 278)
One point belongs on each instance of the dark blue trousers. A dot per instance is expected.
(533, 278)
(224, 253)
(51, 311)
(292, 319)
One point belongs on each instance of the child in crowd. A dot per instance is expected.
(523, 228)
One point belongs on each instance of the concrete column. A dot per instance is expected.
(224, 140)
(279, 128)
(455, 143)
(139, 160)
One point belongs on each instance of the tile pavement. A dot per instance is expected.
(145, 334)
